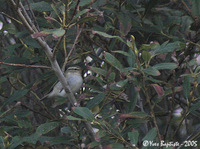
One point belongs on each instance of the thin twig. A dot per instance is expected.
(56, 47)
(75, 10)
(72, 49)
(28, 19)
(33, 15)
(186, 6)
(6, 15)
(24, 65)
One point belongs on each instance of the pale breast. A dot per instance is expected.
(75, 82)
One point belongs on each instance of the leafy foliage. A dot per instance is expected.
(140, 69)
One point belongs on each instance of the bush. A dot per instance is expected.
(140, 62)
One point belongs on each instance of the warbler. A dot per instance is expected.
(73, 77)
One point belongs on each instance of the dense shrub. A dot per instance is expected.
(140, 68)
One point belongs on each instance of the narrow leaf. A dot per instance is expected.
(87, 19)
(195, 7)
(47, 127)
(113, 61)
(122, 83)
(151, 71)
(57, 32)
(96, 100)
(2, 144)
(122, 52)
(158, 89)
(72, 118)
(66, 130)
(131, 59)
(107, 35)
(194, 107)
(133, 137)
(98, 70)
(166, 48)
(186, 86)
(165, 66)
(41, 6)
(80, 13)
(84, 112)
(150, 136)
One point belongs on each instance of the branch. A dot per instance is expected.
(55, 67)
(23, 65)
(72, 49)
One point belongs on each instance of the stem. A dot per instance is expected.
(152, 113)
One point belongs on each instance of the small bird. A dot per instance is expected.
(74, 79)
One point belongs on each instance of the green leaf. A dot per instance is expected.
(131, 58)
(41, 6)
(57, 32)
(87, 19)
(194, 107)
(31, 42)
(122, 83)
(80, 13)
(66, 130)
(195, 7)
(125, 23)
(170, 91)
(146, 56)
(153, 80)
(111, 77)
(151, 71)
(96, 100)
(93, 144)
(113, 61)
(61, 140)
(2, 144)
(186, 86)
(10, 28)
(10, 50)
(165, 66)
(122, 52)
(148, 46)
(72, 118)
(84, 112)
(167, 47)
(150, 136)
(85, 2)
(14, 97)
(16, 140)
(98, 70)
(108, 36)
(3, 79)
(133, 137)
(31, 139)
(47, 127)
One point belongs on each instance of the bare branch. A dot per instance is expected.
(72, 49)
(23, 65)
